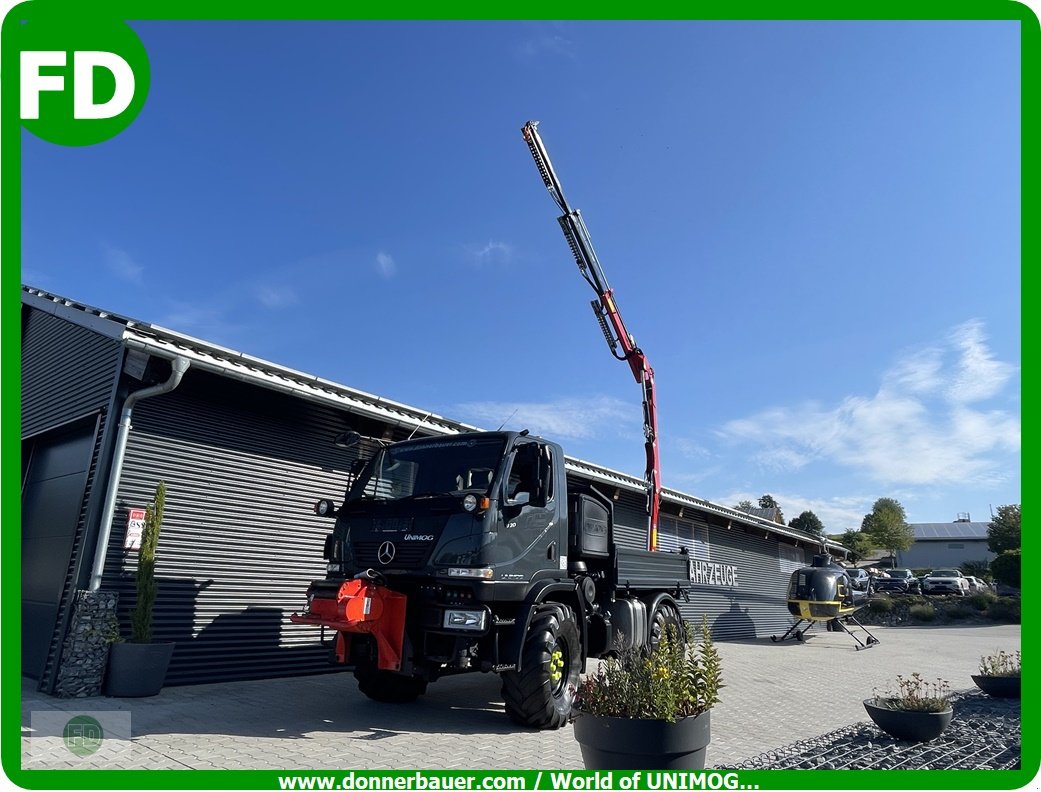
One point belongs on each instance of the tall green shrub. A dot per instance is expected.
(141, 616)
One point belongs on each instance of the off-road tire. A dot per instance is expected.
(666, 614)
(388, 687)
(541, 693)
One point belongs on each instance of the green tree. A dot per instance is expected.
(858, 543)
(1006, 568)
(808, 522)
(1004, 533)
(745, 506)
(887, 526)
(147, 588)
(767, 502)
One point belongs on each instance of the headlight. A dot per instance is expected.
(470, 502)
(464, 619)
(485, 573)
(325, 508)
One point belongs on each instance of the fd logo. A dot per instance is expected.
(82, 79)
(83, 66)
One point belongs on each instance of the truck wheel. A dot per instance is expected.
(665, 616)
(387, 686)
(542, 692)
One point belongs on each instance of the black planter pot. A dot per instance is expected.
(908, 724)
(136, 669)
(998, 686)
(628, 743)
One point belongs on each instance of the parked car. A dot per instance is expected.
(900, 581)
(861, 579)
(945, 581)
(976, 585)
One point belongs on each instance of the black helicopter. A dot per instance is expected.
(824, 592)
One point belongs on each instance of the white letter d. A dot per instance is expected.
(83, 65)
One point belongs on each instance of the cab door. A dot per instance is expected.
(531, 530)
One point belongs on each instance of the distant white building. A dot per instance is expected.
(946, 544)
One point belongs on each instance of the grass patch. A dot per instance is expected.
(923, 613)
(881, 605)
(1005, 609)
(982, 600)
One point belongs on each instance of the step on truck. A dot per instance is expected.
(474, 552)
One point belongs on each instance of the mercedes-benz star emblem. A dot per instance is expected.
(386, 553)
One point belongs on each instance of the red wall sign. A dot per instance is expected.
(135, 524)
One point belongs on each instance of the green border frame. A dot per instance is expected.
(10, 348)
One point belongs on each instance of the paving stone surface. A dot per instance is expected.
(775, 694)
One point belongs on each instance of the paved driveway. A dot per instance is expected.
(775, 694)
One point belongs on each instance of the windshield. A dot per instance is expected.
(900, 573)
(945, 573)
(440, 466)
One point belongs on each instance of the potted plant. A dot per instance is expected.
(918, 711)
(999, 674)
(137, 667)
(650, 707)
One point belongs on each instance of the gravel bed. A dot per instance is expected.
(984, 735)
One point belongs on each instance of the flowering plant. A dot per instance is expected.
(677, 678)
(1000, 664)
(916, 695)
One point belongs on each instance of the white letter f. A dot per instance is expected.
(33, 82)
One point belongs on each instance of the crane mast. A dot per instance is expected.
(605, 308)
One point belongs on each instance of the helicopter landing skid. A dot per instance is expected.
(838, 624)
(843, 625)
(794, 632)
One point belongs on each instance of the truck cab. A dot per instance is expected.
(486, 507)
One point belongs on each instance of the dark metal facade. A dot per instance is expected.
(69, 373)
(240, 542)
(741, 571)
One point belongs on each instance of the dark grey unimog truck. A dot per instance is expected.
(474, 552)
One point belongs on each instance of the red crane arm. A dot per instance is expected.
(613, 327)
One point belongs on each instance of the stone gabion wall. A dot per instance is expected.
(85, 655)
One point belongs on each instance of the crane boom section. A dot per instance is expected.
(605, 308)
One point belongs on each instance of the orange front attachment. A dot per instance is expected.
(362, 606)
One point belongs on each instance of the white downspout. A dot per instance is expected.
(179, 366)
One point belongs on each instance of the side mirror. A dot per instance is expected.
(520, 499)
(347, 439)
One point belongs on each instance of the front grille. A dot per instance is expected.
(407, 555)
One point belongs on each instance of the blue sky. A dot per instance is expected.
(812, 230)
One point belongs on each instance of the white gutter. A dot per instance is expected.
(179, 366)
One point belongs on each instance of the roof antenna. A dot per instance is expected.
(419, 425)
(507, 420)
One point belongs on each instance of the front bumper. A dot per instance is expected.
(359, 606)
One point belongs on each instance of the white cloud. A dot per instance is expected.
(547, 44)
(490, 253)
(917, 429)
(385, 265)
(121, 265)
(838, 514)
(277, 297)
(202, 321)
(572, 418)
(979, 376)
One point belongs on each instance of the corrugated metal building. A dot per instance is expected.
(245, 448)
(950, 544)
